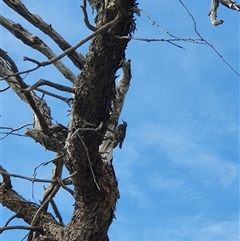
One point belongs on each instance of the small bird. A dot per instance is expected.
(121, 130)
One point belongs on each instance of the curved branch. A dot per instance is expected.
(86, 21)
(4, 89)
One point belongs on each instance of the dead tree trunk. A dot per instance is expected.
(94, 98)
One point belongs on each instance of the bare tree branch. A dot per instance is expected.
(57, 212)
(38, 22)
(33, 228)
(65, 99)
(36, 43)
(12, 130)
(213, 13)
(97, 32)
(157, 25)
(170, 41)
(53, 60)
(49, 83)
(84, 147)
(12, 134)
(39, 107)
(31, 179)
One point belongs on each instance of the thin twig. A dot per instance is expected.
(88, 129)
(12, 129)
(157, 25)
(89, 161)
(65, 99)
(27, 178)
(42, 164)
(196, 31)
(10, 219)
(170, 41)
(56, 211)
(86, 149)
(13, 134)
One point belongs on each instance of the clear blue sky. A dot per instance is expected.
(178, 170)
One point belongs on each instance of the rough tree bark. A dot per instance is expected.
(85, 145)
